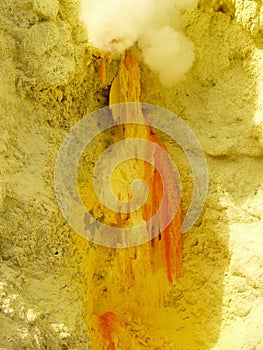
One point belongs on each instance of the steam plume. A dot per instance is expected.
(115, 25)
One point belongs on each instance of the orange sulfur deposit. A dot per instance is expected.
(130, 283)
(168, 245)
(107, 323)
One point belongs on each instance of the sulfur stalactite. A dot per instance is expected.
(137, 278)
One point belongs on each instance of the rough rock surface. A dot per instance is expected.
(49, 81)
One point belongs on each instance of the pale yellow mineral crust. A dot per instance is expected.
(52, 280)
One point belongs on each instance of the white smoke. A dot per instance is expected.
(115, 25)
